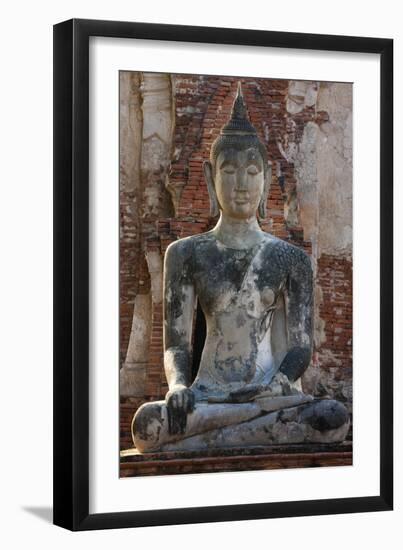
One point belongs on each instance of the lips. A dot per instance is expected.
(241, 200)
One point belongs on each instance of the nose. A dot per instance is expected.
(241, 180)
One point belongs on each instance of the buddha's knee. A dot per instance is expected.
(325, 414)
(148, 426)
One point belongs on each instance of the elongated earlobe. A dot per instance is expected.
(208, 175)
(262, 209)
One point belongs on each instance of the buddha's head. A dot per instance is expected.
(238, 173)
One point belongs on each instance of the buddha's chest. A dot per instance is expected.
(238, 283)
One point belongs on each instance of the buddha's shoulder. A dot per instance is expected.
(285, 253)
(186, 246)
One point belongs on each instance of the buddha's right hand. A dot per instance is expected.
(180, 401)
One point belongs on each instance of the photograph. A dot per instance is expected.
(223, 274)
(235, 273)
(201, 272)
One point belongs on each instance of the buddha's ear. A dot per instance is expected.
(208, 176)
(262, 209)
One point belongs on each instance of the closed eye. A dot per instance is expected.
(253, 170)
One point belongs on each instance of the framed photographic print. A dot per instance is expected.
(223, 274)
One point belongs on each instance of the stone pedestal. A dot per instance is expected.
(133, 463)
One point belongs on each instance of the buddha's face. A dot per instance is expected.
(239, 182)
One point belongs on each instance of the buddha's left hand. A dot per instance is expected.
(245, 394)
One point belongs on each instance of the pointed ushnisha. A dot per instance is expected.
(239, 122)
(238, 133)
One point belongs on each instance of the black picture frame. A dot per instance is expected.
(71, 274)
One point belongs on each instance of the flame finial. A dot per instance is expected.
(238, 123)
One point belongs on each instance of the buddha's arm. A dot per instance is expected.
(179, 303)
(299, 316)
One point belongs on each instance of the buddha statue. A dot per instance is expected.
(256, 293)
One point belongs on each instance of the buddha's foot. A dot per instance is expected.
(321, 421)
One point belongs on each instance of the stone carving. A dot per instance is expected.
(256, 293)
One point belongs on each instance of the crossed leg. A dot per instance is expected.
(223, 425)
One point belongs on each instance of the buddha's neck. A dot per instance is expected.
(240, 234)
